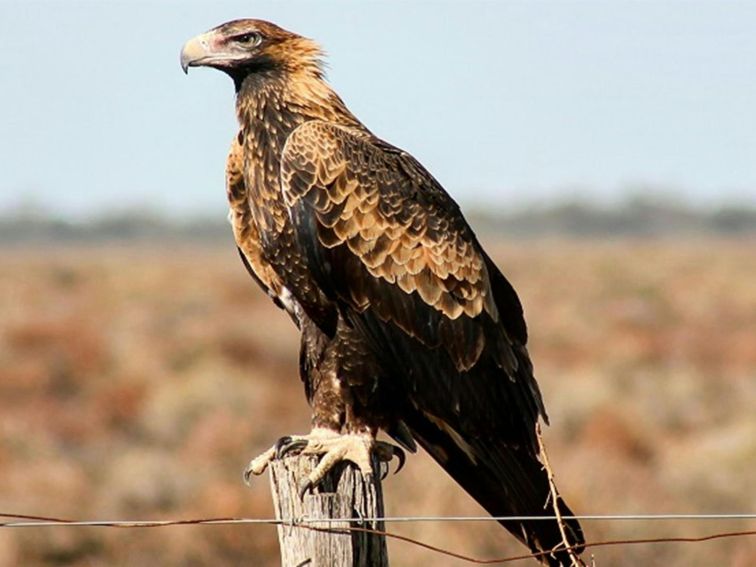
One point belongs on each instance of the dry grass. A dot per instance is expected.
(135, 383)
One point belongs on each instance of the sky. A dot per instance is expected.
(506, 103)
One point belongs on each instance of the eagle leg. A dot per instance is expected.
(334, 448)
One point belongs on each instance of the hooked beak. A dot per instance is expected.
(196, 52)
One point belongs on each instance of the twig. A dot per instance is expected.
(574, 559)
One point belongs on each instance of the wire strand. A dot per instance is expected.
(45, 521)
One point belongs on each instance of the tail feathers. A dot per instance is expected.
(506, 481)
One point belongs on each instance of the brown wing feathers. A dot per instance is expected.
(385, 219)
(382, 236)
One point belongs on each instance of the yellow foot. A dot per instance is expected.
(335, 447)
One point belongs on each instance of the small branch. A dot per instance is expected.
(575, 560)
(344, 493)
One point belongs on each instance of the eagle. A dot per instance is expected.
(407, 325)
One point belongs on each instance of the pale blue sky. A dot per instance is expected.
(516, 102)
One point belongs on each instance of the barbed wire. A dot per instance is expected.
(28, 521)
(46, 521)
(537, 555)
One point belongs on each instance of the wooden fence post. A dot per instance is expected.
(344, 493)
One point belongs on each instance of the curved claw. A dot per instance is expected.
(281, 444)
(288, 445)
(258, 465)
(303, 488)
(401, 457)
(384, 471)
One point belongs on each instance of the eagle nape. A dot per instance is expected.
(333, 447)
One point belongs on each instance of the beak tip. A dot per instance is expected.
(194, 52)
(185, 61)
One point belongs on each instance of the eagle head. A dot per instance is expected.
(242, 47)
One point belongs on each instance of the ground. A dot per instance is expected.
(136, 381)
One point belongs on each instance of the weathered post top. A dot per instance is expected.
(344, 494)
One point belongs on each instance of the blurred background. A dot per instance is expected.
(603, 151)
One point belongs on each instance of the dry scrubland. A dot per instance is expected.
(135, 382)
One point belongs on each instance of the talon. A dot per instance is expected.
(289, 446)
(281, 444)
(304, 488)
(258, 465)
(401, 457)
(384, 471)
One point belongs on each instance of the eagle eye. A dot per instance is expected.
(250, 39)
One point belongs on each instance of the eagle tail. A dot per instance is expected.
(506, 481)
